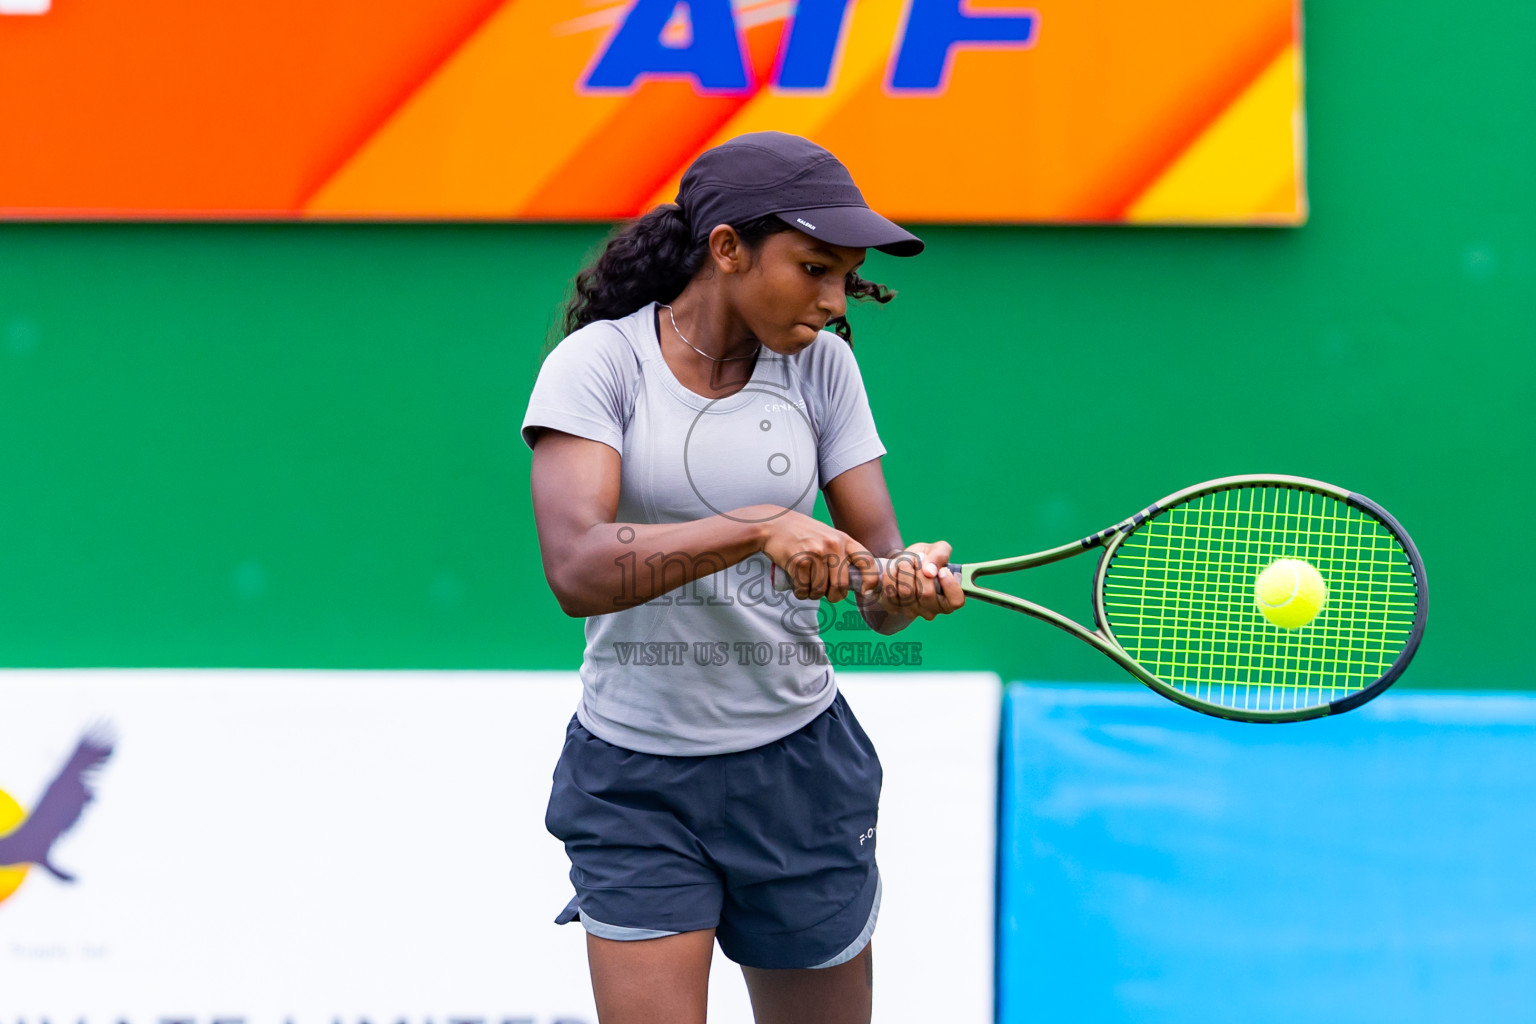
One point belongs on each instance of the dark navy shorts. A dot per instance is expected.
(773, 847)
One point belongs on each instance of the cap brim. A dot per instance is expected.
(857, 227)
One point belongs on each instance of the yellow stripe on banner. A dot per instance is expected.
(1244, 167)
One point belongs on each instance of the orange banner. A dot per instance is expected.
(1187, 111)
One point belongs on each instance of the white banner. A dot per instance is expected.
(348, 847)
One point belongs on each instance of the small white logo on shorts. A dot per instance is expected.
(802, 220)
(867, 835)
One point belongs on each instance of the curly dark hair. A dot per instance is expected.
(653, 258)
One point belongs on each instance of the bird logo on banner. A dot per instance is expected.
(30, 838)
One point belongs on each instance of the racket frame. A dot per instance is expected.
(1103, 637)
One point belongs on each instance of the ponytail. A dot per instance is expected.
(650, 260)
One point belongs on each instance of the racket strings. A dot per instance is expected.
(1178, 595)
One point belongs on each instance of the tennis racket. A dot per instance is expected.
(1174, 601)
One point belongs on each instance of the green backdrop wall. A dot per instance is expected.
(296, 445)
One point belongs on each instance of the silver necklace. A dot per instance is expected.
(706, 355)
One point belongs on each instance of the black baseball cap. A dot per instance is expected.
(764, 173)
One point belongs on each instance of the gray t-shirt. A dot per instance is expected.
(725, 663)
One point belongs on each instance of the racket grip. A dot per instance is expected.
(781, 580)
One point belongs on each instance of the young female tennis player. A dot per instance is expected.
(714, 785)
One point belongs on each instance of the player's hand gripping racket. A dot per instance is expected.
(1179, 602)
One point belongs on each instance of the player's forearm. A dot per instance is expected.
(612, 566)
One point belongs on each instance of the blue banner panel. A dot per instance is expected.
(1162, 866)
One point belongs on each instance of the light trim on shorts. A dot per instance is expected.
(619, 933)
(856, 947)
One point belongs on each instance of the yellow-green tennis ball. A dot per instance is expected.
(1290, 593)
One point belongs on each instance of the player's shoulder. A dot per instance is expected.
(826, 361)
(622, 335)
(828, 353)
(613, 344)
